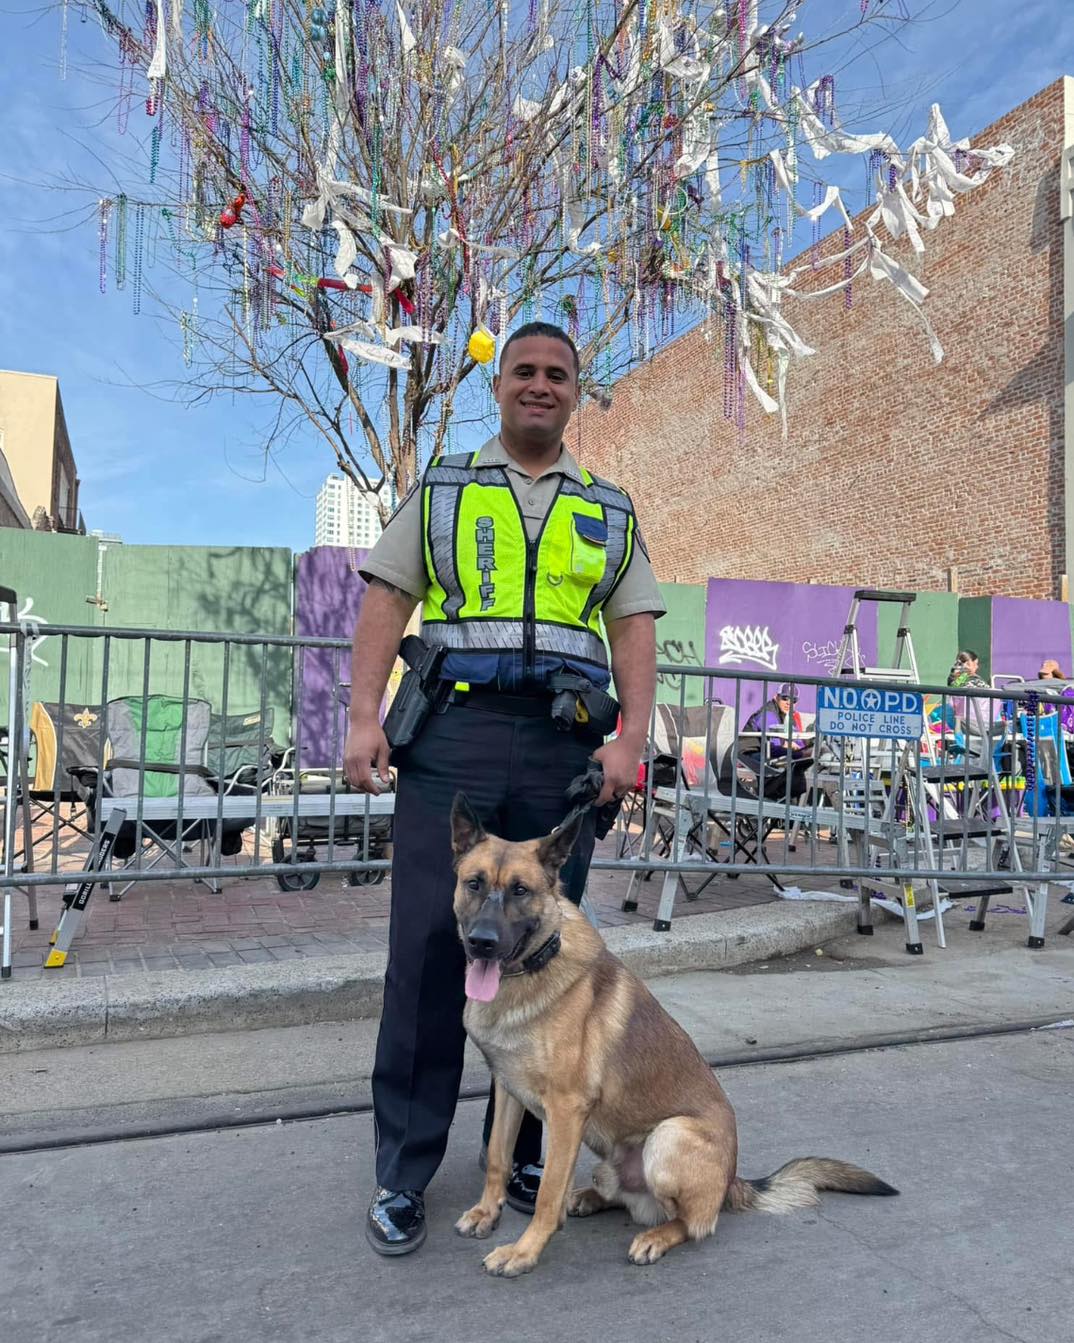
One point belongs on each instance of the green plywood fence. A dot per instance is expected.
(230, 590)
(680, 639)
(933, 628)
(974, 631)
(197, 588)
(52, 575)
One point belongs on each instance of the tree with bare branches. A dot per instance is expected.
(364, 195)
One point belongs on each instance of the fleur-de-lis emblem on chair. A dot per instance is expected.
(85, 719)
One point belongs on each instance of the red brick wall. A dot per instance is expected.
(894, 469)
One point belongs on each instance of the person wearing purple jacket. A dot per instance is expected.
(1050, 671)
(772, 718)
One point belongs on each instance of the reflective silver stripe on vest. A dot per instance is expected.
(506, 636)
(599, 494)
(442, 503)
(449, 475)
(464, 475)
(618, 529)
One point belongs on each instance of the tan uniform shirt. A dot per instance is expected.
(398, 557)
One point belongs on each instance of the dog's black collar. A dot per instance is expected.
(538, 959)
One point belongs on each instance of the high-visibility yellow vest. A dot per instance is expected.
(492, 590)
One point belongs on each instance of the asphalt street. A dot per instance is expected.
(248, 1234)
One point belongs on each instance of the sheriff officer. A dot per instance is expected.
(520, 559)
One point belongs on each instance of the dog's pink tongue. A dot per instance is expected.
(483, 981)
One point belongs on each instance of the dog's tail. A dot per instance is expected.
(798, 1185)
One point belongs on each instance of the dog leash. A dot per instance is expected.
(582, 792)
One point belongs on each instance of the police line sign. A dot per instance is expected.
(852, 711)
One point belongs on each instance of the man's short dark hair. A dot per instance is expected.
(546, 329)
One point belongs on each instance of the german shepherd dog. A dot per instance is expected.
(572, 1035)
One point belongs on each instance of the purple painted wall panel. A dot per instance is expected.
(1025, 632)
(792, 628)
(328, 597)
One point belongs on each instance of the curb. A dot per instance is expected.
(348, 988)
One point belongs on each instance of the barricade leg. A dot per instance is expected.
(683, 826)
(5, 937)
(909, 915)
(77, 897)
(630, 900)
(1036, 898)
(865, 911)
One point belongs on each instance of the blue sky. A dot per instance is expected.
(160, 471)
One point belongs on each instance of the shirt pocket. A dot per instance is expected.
(589, 548)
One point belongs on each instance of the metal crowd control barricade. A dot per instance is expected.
(147, 826)
(909, 822)
(16, 773)
(976, 801)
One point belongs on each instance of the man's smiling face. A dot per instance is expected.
(536, 389)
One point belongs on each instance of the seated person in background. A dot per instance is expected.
(1050, 671)
(966, 670)
(772, 718)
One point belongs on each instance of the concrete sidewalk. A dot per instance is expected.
(852, 993)
(153, 1005)
(149, 1005)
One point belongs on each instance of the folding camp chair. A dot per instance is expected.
(675, 735)
(732, 799)
(155, 748)
(240, 753)
(63, 738)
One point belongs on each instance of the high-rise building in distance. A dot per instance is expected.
(346, 515)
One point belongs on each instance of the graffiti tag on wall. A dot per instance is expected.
(31, 626)
(679, 653)
(825, 655)
(748, 643)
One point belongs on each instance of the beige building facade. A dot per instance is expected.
(36, 448)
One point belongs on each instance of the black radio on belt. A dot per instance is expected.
(420, 692)
(578, 703)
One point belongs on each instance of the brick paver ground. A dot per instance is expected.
(182, 925)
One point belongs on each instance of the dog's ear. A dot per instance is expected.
(554, 850)
(466, 830)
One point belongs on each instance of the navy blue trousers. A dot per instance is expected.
(515, 771)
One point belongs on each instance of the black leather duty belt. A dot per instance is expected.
(493, 701)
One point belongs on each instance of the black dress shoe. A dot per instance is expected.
(522, 1187)
(395, 1223)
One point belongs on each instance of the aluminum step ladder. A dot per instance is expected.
(906, 780)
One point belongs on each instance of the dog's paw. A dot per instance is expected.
(509, 1261)
(585, 1202)
(479, 1222)
(648, 1246)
